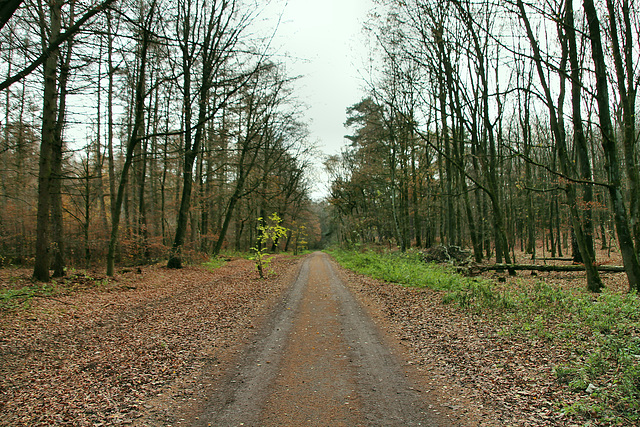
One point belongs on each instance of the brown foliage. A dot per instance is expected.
(103, 349)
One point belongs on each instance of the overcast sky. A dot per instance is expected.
(323, 41)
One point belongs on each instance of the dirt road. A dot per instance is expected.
(319, 360)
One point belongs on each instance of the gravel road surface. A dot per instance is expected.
(319, 360)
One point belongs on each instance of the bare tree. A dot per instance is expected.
(610, 147)
(49, 110)
(147, 20)
(557, 126)
(257, 112)
(208, 34)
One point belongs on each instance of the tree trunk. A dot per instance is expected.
(49, 110)
(99, 154)
(594, 283)
(416, 200)
(525, 124)
(175, 260)
(625, 60)
(609, 146)
(225, 224)
(134, 140)
(110, 124)
(580, 141)
(57, 224)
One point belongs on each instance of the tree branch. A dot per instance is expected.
(7, 8)
(55, 44)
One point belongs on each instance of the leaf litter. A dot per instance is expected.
(146, 348)
(489, 377)
(104, 355)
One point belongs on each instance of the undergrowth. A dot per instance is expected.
(214, 263)
(602, 331)
(21, 298)
(406, 269)
(20, 292)
(227, 255)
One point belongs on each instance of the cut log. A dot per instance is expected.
(535, 267)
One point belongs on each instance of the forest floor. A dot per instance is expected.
(485, 374)
(152, 346)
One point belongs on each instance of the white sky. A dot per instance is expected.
(323, 41)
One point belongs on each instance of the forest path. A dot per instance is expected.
(318, 360)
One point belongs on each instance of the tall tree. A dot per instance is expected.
(208, 34)
(257, 110)
(580, 141)
(610, 148)
(557, 126)
(624, 59)
(57, 224)
(49, 33)
(147, 15)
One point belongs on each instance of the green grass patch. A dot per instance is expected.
(21, 298)
(605, 330)
(403, 268)
(602, 331)
(214, 263)
(235, 254)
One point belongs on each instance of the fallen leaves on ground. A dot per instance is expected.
(135, 350)
(488, 378)
(100, 355)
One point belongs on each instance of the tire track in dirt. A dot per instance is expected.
(319, 360)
